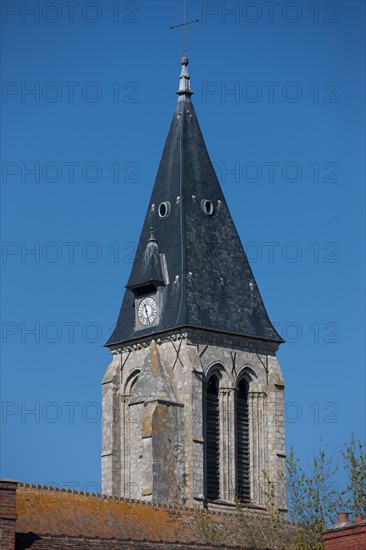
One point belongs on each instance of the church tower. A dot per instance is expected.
(193, 400)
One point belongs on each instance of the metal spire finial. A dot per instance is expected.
(184, 30)
(184, 25)
(184, 78)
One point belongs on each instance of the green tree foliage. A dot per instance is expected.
(355, 465)
(314, 498)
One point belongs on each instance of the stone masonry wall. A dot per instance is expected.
(170, 467)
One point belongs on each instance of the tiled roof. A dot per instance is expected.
(43, 510)
(48, 542)
(62, 519)
(208, 283)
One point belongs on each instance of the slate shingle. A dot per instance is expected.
(211, 284)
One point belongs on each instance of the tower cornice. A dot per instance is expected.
(197, 336)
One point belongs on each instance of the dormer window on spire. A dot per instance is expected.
(207, 207)
(164, 209)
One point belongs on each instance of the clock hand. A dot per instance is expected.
(147, 314)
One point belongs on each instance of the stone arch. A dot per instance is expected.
(254, 374)
(131, 381)
(247, 373)
(215, 368)
(129, 422)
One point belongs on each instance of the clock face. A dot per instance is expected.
(147, 311)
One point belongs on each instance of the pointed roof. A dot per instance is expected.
(208, 280)
(150, 268)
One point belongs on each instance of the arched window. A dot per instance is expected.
(131, 381)
(130, 412)
(242, 443)
(212, 439)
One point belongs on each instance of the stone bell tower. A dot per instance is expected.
(193, 400)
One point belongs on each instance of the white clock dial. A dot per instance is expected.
(147, 311)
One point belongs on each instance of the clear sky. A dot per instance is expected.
(279, 92)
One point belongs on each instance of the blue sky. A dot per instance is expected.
(279, 92)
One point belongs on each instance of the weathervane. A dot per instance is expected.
(185, 27)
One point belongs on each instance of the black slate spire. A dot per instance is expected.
(194, 261)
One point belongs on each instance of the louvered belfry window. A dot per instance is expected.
(212, 440)
(242, 443)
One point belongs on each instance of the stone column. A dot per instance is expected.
(227, 443)
(194, 455)
(109, 444)
(258, 446)
(125, 480)
(147, 433)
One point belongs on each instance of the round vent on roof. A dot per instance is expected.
(164, 209)
(207, 207)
